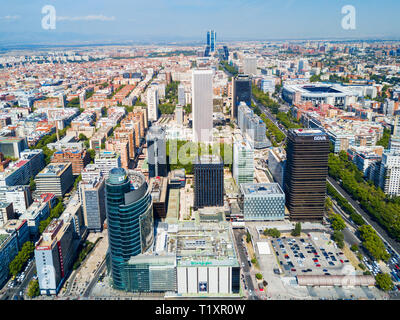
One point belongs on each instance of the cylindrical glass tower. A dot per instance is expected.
(130, 220)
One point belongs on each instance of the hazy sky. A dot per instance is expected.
(189, 19)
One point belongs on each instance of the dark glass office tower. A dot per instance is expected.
(241, 91)
(157, 152)
(208, 181)
(305, 176)
(130, 221)
(226, 53)
(207, 51)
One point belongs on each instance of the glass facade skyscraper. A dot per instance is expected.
(243, 162)
(208, 181)
(306, 171)
(241, 91)
(253, 127)
(156, 152)
(130, 221)
(211, 40)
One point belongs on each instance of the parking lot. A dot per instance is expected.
(309, 255)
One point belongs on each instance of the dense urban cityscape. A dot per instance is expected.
(240, 170)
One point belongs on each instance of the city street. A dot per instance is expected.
(10, 293)
(380, 231)
(246, 270)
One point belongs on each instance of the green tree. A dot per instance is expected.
(315, 78)
(43, 224)
(328, 204)
(373, 243)
(167, 108)
(384, 282)
(33, 289)
(338, 237)
(32, 184)
(248, 237)
(231, 69)
(381, 208)
(73, 103)
(92, 153)
(21, 258)
(297, 230)
(275, 233)
(337, 222)
(77, 180)
(188, 108)
(259, 276)
(384, 141)
(57, 210)
(357, 219)
(82, 137)
(354, 248)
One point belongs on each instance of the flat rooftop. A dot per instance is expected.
(10, 139)
(204, 244)
(53, 169)
(307, 132)
(261, 188)
(106, 155)
(173, 206)
(208, 158)
(53, 231)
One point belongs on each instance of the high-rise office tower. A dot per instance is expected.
(389, 173)
(306, 171)
(92, 198)
(250, 65)
(253, 127)
(106, 160)
(241, 91)
(181, 95)
(179, 115)
(208, 181)
(226, 53)
(211, 40)
(202, 101)
(152, 103)
(243, 162)
(303, 64)
(55, 178)
(395, 137)
(54, 254)
(207, 51)
(157, 152)
(130, 221)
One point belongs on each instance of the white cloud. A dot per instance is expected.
(93, 17)
(9, 18)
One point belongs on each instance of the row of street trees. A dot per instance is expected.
(381, 208)
(21, 258)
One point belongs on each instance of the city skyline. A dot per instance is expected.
(21, 23)
(144, 157)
